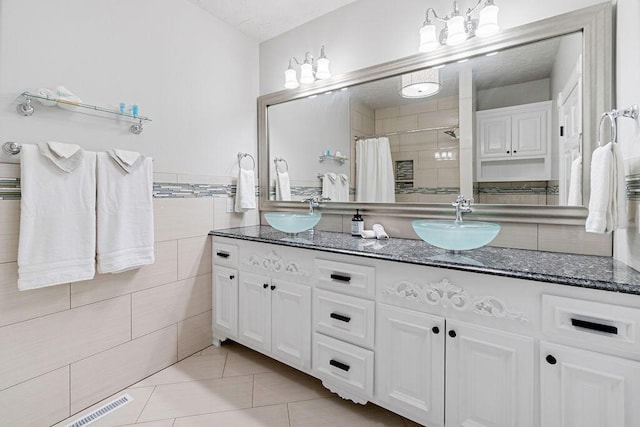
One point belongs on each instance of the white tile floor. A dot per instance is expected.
(237, 387)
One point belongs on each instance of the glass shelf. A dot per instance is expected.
(340, 159)
(26, 109)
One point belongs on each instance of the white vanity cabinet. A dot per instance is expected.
(439, 346)
(514, 143)
(581, 386)
(225, 290)
(452, 351)
(274, 317)
(410, 363)
(490, 377)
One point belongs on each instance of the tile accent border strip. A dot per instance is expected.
(10, 190)
(633, 187)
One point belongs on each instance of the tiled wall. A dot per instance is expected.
(434, 181)
(517, 192)
(63, 348)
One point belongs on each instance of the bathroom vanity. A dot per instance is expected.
(489, 337)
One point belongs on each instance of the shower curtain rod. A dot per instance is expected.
(405, 131)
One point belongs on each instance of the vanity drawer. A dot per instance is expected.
(348, 367)
(346, 278)
(225, 254)
(344, 317)
(597, 326)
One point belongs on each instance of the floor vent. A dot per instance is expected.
(101, 411)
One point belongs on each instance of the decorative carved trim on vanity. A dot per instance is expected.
(448, 295)
(274, 262)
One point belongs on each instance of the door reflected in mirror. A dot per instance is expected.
(504, 127)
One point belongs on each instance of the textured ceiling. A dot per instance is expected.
(265, 19)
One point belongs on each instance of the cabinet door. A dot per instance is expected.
(529, 133)
(580, 388)
(291, 323)
(490, 377)
(495, 136)
(225, 302)
(255, 311)
(410, 364)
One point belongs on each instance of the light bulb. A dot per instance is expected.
(488, 21)
(428, 39)
(456, 34)
(306, 74)
(323, 69)
(290, 79)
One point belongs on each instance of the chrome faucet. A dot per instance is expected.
(314, 202)
(462, 206)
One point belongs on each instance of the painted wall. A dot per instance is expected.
(369, 32)
(627, 242)
(516, 94)
(69, 346)
(193, 75)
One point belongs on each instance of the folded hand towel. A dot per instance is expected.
(56, 245)
(245, 191)
(607, 203)
(127, 157)
(574, 197)
(63, 150)
(343, 188)
(330, 186)
(124, 215)
(283, 186)
(66, 164)
(125, 167)
(368, 234)
(379, 230)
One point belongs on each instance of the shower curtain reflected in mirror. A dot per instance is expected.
(375, 181)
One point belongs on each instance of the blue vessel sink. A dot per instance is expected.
(456, 236)
(292, 222)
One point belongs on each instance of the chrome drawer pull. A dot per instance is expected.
(223, 254)
(585, 324)
(340, 277)
(339, 365)
(340, 317)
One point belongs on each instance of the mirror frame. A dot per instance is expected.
(595, 23)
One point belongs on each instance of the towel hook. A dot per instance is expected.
(242, 156)
(612, 120)
(276, 160)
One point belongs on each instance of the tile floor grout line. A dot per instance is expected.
(145, 404)
(288, 414)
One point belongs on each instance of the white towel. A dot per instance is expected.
(124, 215)
(330, 186)
(343, 188)
(128, 168)
(607, 203)
(245, 191)
(283, 186)
(379, 230)
(368, 234)
(574, 197)
(63, 150)
(66, 164)
(128, 157)
(57, 239)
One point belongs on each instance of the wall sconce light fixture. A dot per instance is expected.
(458, 28)
(310, 70)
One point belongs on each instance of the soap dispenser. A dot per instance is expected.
(357, 224)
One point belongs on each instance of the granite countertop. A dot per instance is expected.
(596, 272)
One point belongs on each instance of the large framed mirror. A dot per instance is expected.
(512, 123)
